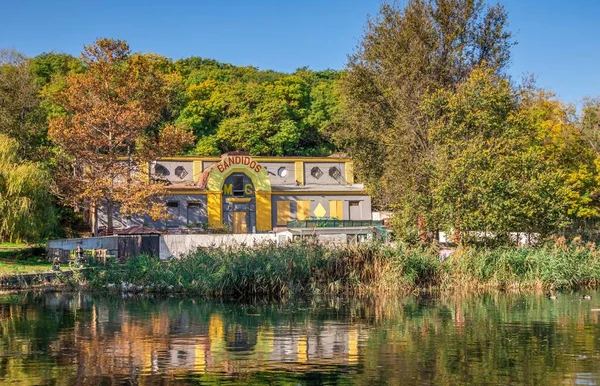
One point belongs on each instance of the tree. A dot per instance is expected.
(506, 160)
(26, 207)
(104, 131)
(262, 112)
(21, 116)
(405, 56)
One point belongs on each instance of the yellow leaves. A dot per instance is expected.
(201, 91)
(106, 131)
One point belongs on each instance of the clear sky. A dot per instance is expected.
(558, 40)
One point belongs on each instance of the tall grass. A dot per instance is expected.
(370, 269)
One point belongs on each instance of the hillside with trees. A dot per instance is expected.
(63, 112)
(438, 131)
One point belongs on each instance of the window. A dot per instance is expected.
(194, 213)
(354, 212)
(316, 172)
(335, 209)
(282, 172)
(283, 212)
(302, 210)
(161, 170)
(181, 172)
(335, 173)
(238, 186)
(173, 212)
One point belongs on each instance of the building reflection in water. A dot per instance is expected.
(118, 342)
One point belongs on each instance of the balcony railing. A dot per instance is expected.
(333, 223)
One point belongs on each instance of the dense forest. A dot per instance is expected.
(221, 107)
(439, 132)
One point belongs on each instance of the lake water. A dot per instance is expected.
(81, 339)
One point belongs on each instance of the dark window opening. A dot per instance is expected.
(316, 172)
(161, 170)
(181, 172)
(238, 186)
(173, 210)
(335, 172)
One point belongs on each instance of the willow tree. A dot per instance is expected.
(406, 55)
(105, 131)
(26, 208)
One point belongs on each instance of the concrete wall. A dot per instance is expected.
(172, 245)
(273, 171)
(179, 219)
(168, 170)
(176, 245)
(326, 178)
(364, 205)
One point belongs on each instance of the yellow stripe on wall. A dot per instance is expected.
(299, 172)
(196, 170)
(263, 212)
(349, 172)
(214, 207)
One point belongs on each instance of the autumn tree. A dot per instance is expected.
(406, 55)
(104, 131)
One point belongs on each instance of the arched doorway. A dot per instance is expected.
(221, 205)
(239, 203)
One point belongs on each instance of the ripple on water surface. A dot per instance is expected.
(77, 339)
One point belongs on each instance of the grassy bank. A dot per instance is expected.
(269, 270)
(19, 258)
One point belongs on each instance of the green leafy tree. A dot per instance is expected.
(26, 205)
(505, 160)
(263, 112)
(405, 56)
(21, 116)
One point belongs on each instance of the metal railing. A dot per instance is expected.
(333, 223)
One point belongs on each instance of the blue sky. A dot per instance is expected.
(558, 40)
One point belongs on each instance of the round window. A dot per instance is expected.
(282, 172)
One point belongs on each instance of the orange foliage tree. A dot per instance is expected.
(106, 132)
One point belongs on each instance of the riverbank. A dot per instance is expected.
(275, 271)
(369, 269)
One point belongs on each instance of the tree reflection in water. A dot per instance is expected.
(81, 339)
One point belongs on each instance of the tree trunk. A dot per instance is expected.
(94, 219)
(109, 216)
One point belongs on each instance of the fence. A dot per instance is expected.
(333, 223)
(120, 246)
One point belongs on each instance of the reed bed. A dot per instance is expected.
(367, 269)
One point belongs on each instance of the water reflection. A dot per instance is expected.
(81, 339)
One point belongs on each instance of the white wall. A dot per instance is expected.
(176, 245)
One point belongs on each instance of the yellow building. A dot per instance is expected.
(243, 194)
